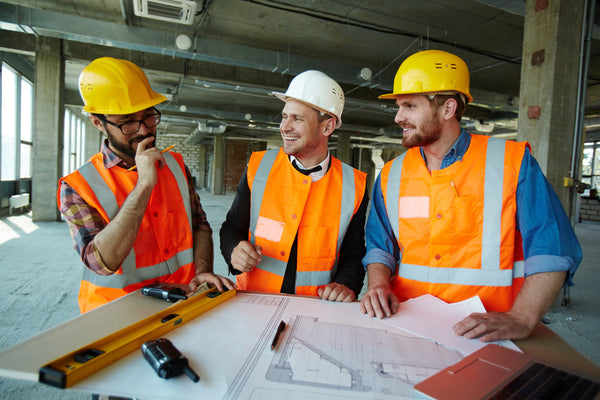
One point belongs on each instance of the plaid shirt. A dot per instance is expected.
(85, 221)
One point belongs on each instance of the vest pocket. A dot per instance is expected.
(466, 214)
(316, 243)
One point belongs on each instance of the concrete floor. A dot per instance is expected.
(41, 271)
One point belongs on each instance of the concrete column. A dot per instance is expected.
(47, 128)
(377, 160)
(218, 167)
(344, 151)
(548, 96)
(201, 184)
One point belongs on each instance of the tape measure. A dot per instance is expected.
(71, 368)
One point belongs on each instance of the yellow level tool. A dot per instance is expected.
(71, 368)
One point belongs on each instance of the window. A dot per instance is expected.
(74, 141)
(9, 123)
(26, 137)
(590, 172)
(17, 125)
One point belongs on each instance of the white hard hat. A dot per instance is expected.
(317, 90)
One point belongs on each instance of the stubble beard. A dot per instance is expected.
(425, 135)
(126, 149)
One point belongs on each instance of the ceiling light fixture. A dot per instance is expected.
(183, 42)
(366, 73)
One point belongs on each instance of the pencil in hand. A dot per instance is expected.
(162, 151)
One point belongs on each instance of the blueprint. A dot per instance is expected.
(345, 357)
(342, 357)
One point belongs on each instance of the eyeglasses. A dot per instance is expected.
(131, 127)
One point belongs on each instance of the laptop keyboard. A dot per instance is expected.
(546, 383)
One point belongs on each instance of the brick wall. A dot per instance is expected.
(589, 209)
(192, 156)
(198, 160)
(237, 156)
(235, 161)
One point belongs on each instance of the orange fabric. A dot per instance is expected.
(310, 209)
(164, 230)
(451, 235)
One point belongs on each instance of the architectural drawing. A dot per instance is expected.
(344, 357)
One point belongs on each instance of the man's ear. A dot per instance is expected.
(328, 126)
(97, 123)
(449, 109)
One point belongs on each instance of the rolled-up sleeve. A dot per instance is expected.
(380, 239)
(549, 242)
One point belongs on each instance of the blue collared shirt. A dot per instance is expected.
(549, 242)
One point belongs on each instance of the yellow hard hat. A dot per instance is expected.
(431, 71)
(112, 86)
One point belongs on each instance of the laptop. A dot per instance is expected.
(495, 372)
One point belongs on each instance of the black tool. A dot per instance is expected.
(280, 329)
(166, 360)
(164, 292)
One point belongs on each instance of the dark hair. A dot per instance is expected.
(102, 119)
(440, 99)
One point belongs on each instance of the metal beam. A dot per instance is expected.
(87, 30)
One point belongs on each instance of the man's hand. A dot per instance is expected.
(146, 159)
(218, 281)
(337, 292)
(493, 326)
(379, 301)
(245, 256)
(535, 297)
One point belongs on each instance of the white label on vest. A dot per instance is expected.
(269, 229)
(413, 207)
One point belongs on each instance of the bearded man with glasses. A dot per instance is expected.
(133, 227)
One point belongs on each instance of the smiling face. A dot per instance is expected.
(419, 120)
(303, 135)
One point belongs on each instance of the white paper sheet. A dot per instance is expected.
(430, 317)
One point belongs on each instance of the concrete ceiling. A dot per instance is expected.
(242, 50)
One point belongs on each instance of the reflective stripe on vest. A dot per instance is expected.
(278, 267)
(490, 273)
(130, 273)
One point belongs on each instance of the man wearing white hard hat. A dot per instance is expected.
(296, 224)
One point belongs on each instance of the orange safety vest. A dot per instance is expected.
(284, 203)
(163, 249)
(456, 226)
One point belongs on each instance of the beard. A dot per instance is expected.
(126, 149)
(429, 132)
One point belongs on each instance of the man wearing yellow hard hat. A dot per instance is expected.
(132, 226)
(296, 224)
(461, 215)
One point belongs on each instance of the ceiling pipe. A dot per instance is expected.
(80, 29)
(204, 129)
